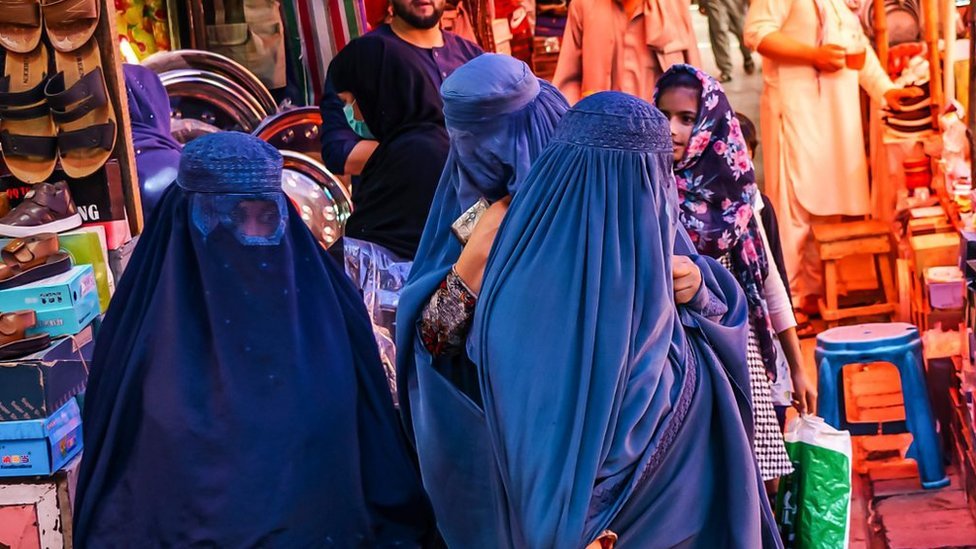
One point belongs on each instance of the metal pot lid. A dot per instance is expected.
(211, 62)
(321, 200)
(295, 129)
(213, 99)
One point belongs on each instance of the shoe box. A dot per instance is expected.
(34, 386)
(40, 446)
(87, 246)
(98, 197)
(118, 258)
(64, 303)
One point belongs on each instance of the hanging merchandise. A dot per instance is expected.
(300, 85)
(903, 19)
(207, 90)
(323, 201)
(144, 25)
(293, 130)
(814, 502)
(250, 32)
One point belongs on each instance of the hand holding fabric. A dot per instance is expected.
(470, 265)
(687, 279)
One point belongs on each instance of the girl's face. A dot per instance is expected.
(680, 105)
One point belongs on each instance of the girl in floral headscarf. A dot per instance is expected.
(718, 194)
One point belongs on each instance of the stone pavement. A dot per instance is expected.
(890, 509)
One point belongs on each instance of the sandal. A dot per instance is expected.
(20, 29)
(70, 24)
(30, 259)
(14, 342)
(27, 132)
(81, 108)
(804, 328)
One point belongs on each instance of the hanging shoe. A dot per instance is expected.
(47, 208)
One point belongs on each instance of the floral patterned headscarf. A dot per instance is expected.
(716, 187)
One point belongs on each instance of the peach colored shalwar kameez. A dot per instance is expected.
(604, 49)
(813, 145)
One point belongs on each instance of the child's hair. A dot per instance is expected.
(679, 80)
(748, 131)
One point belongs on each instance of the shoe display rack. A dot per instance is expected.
(75, 108)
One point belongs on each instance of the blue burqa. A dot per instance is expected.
(157, 152)
(607, 406)
(499, 117)
(236, 396)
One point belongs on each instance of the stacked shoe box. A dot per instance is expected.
(54, 283)
(40, 407)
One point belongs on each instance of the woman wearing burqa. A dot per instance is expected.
(236, 397)
(500, 117)
(608, 407)
(157, 152)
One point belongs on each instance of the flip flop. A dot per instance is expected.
(70, 24)
(81, 108)
(27, 132)
(20, 28)
(13, 340)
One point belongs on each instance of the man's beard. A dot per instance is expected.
(423, 23)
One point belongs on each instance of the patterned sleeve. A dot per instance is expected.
(706, 304)
(446, 320)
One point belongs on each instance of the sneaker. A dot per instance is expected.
(725, 78)
(47, 208)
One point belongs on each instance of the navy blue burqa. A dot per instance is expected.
(608, 407)
(236, 396)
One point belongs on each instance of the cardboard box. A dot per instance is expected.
(933, 250)
(67, 321)
(55, 292)
(88, 246)
(35, 386)
(118, 258)
(40, 446)
(98, 197)
(117, 233)
(36, 513)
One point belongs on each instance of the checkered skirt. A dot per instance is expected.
(769, 446)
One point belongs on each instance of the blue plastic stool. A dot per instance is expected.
(898, 344)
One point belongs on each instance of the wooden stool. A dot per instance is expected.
(835, 241)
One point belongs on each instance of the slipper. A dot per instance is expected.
(70, 24)
(27, 132)
(13, 340)
(20, 28)
(30, 259)
(80, 106)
